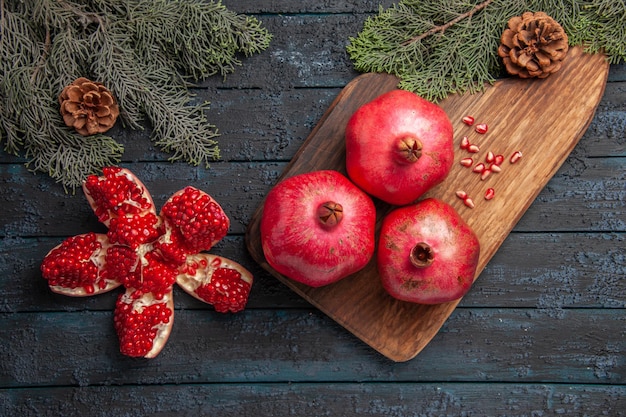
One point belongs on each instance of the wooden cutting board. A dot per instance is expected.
(544, 119)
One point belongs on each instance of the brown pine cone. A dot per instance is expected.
(533, 45)
(88, 106)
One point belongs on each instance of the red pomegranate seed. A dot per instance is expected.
(473, 148)
(479, 167)
(466, 199)
(498, 159)
(490, 193)
(467, 162)
(495, 168)
(465, 143)
(485, 174)
(468, 120)
(481, 128)
(490, 157)
(515, 157)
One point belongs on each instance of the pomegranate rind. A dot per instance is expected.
(298, 246)
(199, 270)
(128, 328)
(198, 217)
(145, 253)
(372, 133)
(454, 245)
(96, 259)
(137, 196)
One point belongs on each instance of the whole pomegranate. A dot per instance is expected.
(427, 254)
(398, 146)
(147, 253)
(317, 228)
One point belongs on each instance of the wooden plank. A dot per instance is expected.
(530, 270)
(546, 133)
(35, 206)
(307, 50)
(336, 399)
(474, 345)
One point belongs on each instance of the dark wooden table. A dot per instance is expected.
(542, 332)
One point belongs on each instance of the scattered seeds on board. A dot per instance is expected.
(515, 157)
(467, 162)
(490, 194)
(468, 120)
(480, 167)
(465, 142)
(481, 128)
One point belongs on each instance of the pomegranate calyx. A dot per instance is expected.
(422, 255)
(330, 213)
(408, 150)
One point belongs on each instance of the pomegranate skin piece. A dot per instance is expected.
(398, 146)
(427, 254)
(317, 228)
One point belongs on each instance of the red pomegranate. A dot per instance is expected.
(398, 146)
(317, 228)
(427, 254)
(147, 253)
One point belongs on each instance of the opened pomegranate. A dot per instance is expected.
(317, 228)
(398, 146)
(147, 253)
(427, 254)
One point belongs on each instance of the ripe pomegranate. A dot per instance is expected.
(317, 228)
(398, 146)
(147, 253)
(427, 254)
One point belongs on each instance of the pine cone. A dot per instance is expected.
(533, 45)
(88, 106)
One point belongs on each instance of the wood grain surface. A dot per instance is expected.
(544, 119)
(541, 332)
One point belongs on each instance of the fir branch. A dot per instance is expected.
(145, 51)
(418, 40)
(442, 28)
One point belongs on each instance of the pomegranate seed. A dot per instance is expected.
(485, 174)
(490, 193)
(467, 162)
(468, 120)
(465, 143)
(490, 157)
(515, 157)
(226, 291)
(481, 128)
(479, 167)
(473, 148)
(466, 199)
(495, 168)
(498, 159)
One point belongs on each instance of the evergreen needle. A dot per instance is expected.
(144, 51)
(440, 47)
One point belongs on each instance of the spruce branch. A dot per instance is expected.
(146, 52)
(437, 48)
(442, 28)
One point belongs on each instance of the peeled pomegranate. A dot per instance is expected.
(317, 228)
(398, 146)
(427, 254)
(147, 253)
